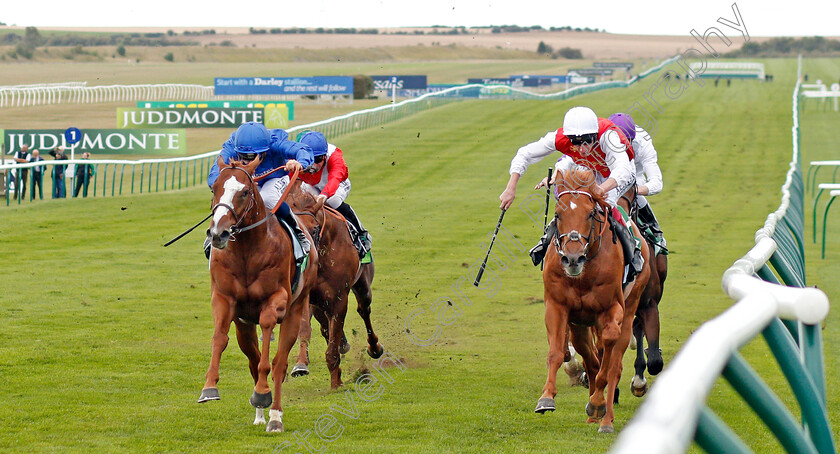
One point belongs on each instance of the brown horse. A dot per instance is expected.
(251, 272)
(339, 271)
(583, 288)
(646, 322)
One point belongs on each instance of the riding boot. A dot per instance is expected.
(630, 248)
(537, 252)
(284, 213)
(207, 247)
(362, 235)
(647, 217)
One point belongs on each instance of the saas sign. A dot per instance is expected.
(284, 86)
(399, 82)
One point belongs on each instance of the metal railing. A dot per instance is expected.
(787, 316)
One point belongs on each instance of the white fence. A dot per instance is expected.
(78, 93)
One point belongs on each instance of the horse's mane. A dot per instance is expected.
(578, 179)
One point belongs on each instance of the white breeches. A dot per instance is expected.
(272, 189)
(337, 199)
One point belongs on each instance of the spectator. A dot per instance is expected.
(84, 173)
(22, 156)
(38, 174)
(59, 184)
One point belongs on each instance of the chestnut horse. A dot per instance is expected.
(646, 322)
(251, 272)
(582, 278)
(339, 271)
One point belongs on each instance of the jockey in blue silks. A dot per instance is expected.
(253, 139)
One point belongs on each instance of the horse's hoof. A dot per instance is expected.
(545, 404)
(300, 370)
(209, 394)
(595, 411)
(638, 386)
(375, 354)
(655, 362)
(261, 400)
(607, 429)
(344, 347)
(274, 426)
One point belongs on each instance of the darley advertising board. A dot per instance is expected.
(290, 105)
(321, 85)
(101, 141)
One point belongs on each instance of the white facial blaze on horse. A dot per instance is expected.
(232, 187)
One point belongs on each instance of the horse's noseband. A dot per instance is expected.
(252, 202)
(561, 240)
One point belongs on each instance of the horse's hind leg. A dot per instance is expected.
(638, 385)
(655, 362)
(222, 317)
(302, 365)
(246, 335)
(364, 298)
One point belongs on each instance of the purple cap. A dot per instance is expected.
(625, 122)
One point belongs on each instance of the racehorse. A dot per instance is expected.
(582, 279)
(646, 323)
(252, 269)
(339, 271)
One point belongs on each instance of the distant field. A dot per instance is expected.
(107, 333)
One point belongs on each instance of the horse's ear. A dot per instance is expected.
(251, 167)
(319, 203)
(221, 163)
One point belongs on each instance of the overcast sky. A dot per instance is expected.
(761, 17)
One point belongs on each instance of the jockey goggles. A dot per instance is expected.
(319, 159)
(582, 139)
(247, 157)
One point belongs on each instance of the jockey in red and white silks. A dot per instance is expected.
(592, 142)
(608, 154)
(328, 178)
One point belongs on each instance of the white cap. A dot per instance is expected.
(579, 121)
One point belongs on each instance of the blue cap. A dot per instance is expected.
(625, 123)
(251, 138)
(316, 142)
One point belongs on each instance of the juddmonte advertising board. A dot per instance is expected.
(399, 82)
(186, 118)
(102, 141)
(321, 85)
(290, 105)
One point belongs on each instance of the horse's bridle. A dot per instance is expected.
(561, 240)
(252, 202)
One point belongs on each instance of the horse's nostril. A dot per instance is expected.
(581, 259)
(207, 233)
(564, 260)
(224, 235)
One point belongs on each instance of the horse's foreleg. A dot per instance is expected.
(600, 405)
(289, 329)
(222, 316)
(556, 320)
(302, 365)
(364, 298)
(333, 356)
(261, 398)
